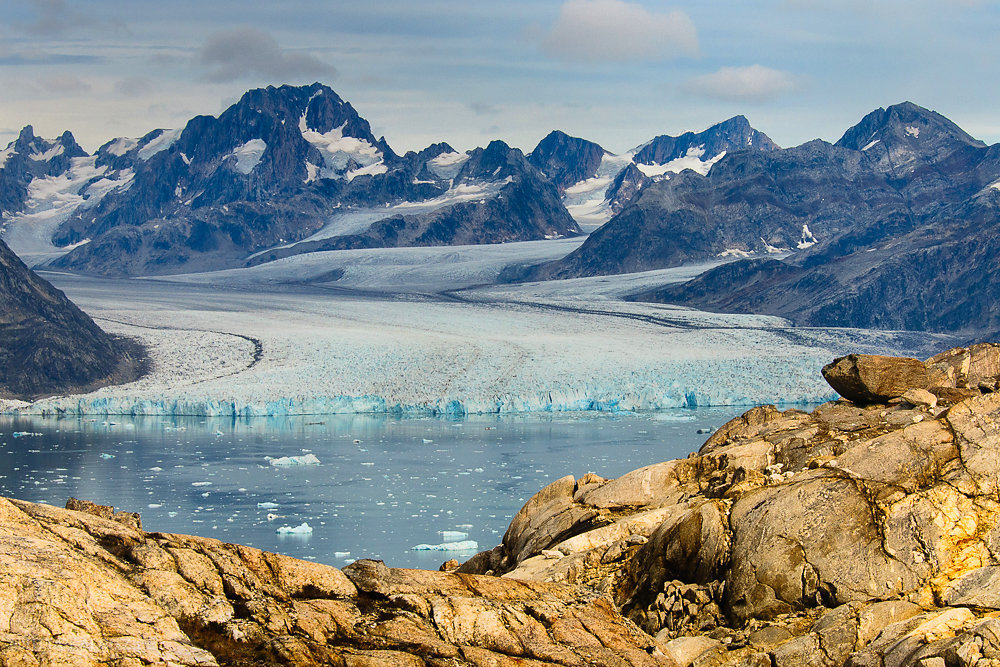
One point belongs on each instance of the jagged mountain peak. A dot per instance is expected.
(908, 123)
(728, 136)
(566, 160)
(498, 160)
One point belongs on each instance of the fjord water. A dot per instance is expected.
(383, 484)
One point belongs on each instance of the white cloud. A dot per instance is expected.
(613, 30)
(755, 83)
(243, 53)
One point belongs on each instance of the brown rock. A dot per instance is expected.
(866, 378)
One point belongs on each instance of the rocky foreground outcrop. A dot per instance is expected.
(864, 533)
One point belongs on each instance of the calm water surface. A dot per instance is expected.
(382, 484)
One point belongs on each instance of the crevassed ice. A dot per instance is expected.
(339, 150)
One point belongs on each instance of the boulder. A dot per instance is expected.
(868, 378)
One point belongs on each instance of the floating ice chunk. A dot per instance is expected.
(267, 506)
(107, 456)
(286, 461)
(154, 506)
(24, 434)
(465, 545)
(453, 535)
(201, 484)
(341, 554)
(301, 529)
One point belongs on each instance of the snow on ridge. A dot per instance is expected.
(121, 146)
(45, 156)
(6, 153)
(248, 155)
(165, 140)
(691, 160)
(447, 165)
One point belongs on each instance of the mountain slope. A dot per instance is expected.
(923, 258)
(280, 166)
(48, 345)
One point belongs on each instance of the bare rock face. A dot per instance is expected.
(88, 587)
(863, 533)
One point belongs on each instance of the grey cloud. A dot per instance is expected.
(747, 84)
(482, 108)
(241, 53)
(64, 84)
(57, 17)
(133, 86)
(614, 30)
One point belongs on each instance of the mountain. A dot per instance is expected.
(566, 160)
(907, 221)
(596, 184)
(48, 345)
(280, 166)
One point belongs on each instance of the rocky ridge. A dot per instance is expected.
(863, 533)
(48, 345)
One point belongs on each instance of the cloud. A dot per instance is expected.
(244, 53)
(482, 108)
(64, 84)
(133, 86)
(56, 17)
(613, 30)
(748, 84)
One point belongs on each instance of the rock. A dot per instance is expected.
(77, 588)
(867, 378)
(920, 398)
(686, 650)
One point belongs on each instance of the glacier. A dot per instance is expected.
(430, 339)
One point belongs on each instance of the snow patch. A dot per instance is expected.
(808, 240)
(734, 252)
(913, 131)
(162, 142)
(339, 151)
(47, 155)
(121, 146)
(447, 165)
(6, 153)
(871, 144)
(248, 155)
(691, 160)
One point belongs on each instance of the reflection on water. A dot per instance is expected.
(383, 484)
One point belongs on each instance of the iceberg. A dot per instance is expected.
(464, 545)
(289, 461)
(301, 529)
(267, 506)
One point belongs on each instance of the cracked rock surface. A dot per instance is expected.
(862, 533)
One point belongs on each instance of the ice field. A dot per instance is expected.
(422, 331)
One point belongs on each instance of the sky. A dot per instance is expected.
(613, 71)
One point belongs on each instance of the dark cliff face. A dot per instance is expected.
(907, 241)
(48, 345)
(566, 160)
(270, 171)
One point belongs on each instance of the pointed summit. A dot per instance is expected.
(903, 135)
(726, 137)
(566, 160)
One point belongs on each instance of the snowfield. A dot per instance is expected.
(242, 343)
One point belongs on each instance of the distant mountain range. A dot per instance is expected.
(291, 170)
(48, 345)
(893, 226)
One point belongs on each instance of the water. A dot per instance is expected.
(383, 484)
